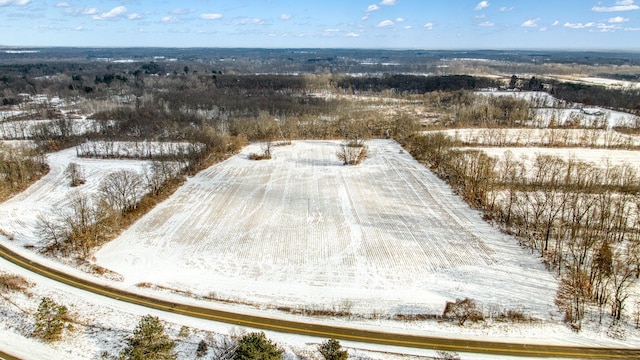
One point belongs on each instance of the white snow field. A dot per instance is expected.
(302, 230)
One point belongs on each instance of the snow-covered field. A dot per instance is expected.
(302, 230)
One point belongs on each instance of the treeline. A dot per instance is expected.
(584, 220)
(414, 84)
(592, 95)
(19, 168)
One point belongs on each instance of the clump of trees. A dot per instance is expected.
(19, 168)
(581, 218)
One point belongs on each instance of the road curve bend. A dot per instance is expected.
(322, 331)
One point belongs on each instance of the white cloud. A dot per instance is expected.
(621, 5)
(169, 20)
(114, 13)
(384, 23)
(79, 28)
(481, 16)
(213, 16)
(486, 24)
(399, 20)
(366, 17)
(579, 25)
(388, 2)
(90, 11)
(352, 34)
(408, 27)
(134, 16)
(631, 29)
(373, 7)
(63, 4)
(182, 11)
(555, 23)
(617, 20)
(252, 21)
(531, 23)
(505, 9)
(332, 30)
(428, 26)
(481, 5)
(14, 2)
(285, 17)
(607, 28)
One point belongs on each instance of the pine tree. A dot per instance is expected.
(50, 320)
(256, 346)
(149, 342)
(202, 350)
(332, 350)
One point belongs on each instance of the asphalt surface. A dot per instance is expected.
(322, 331)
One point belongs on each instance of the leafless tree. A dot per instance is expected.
(75, 174)
(122, 190)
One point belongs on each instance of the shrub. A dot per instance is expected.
(462, 310)
(10, 282)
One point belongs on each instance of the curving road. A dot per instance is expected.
(322, 331)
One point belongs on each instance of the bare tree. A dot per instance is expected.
(75, 174)
(122, 190)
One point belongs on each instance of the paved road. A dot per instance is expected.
(323, 331)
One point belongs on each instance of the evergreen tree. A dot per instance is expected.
(332, 350)
(50, 320)
(256, 346)
(149, 342)
(202, 350)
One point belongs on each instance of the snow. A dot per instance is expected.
(303, 230)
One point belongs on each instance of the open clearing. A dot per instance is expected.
(302, 230)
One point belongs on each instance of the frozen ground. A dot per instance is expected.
(303, 230)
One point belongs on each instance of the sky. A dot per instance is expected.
(386, 24)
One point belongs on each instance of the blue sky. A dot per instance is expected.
(390, 24)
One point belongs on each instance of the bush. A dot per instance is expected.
(10, 282)
(256, 346)
(463, 310)
(50, 320)
(331, 350)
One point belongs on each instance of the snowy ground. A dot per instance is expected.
(302, 230)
